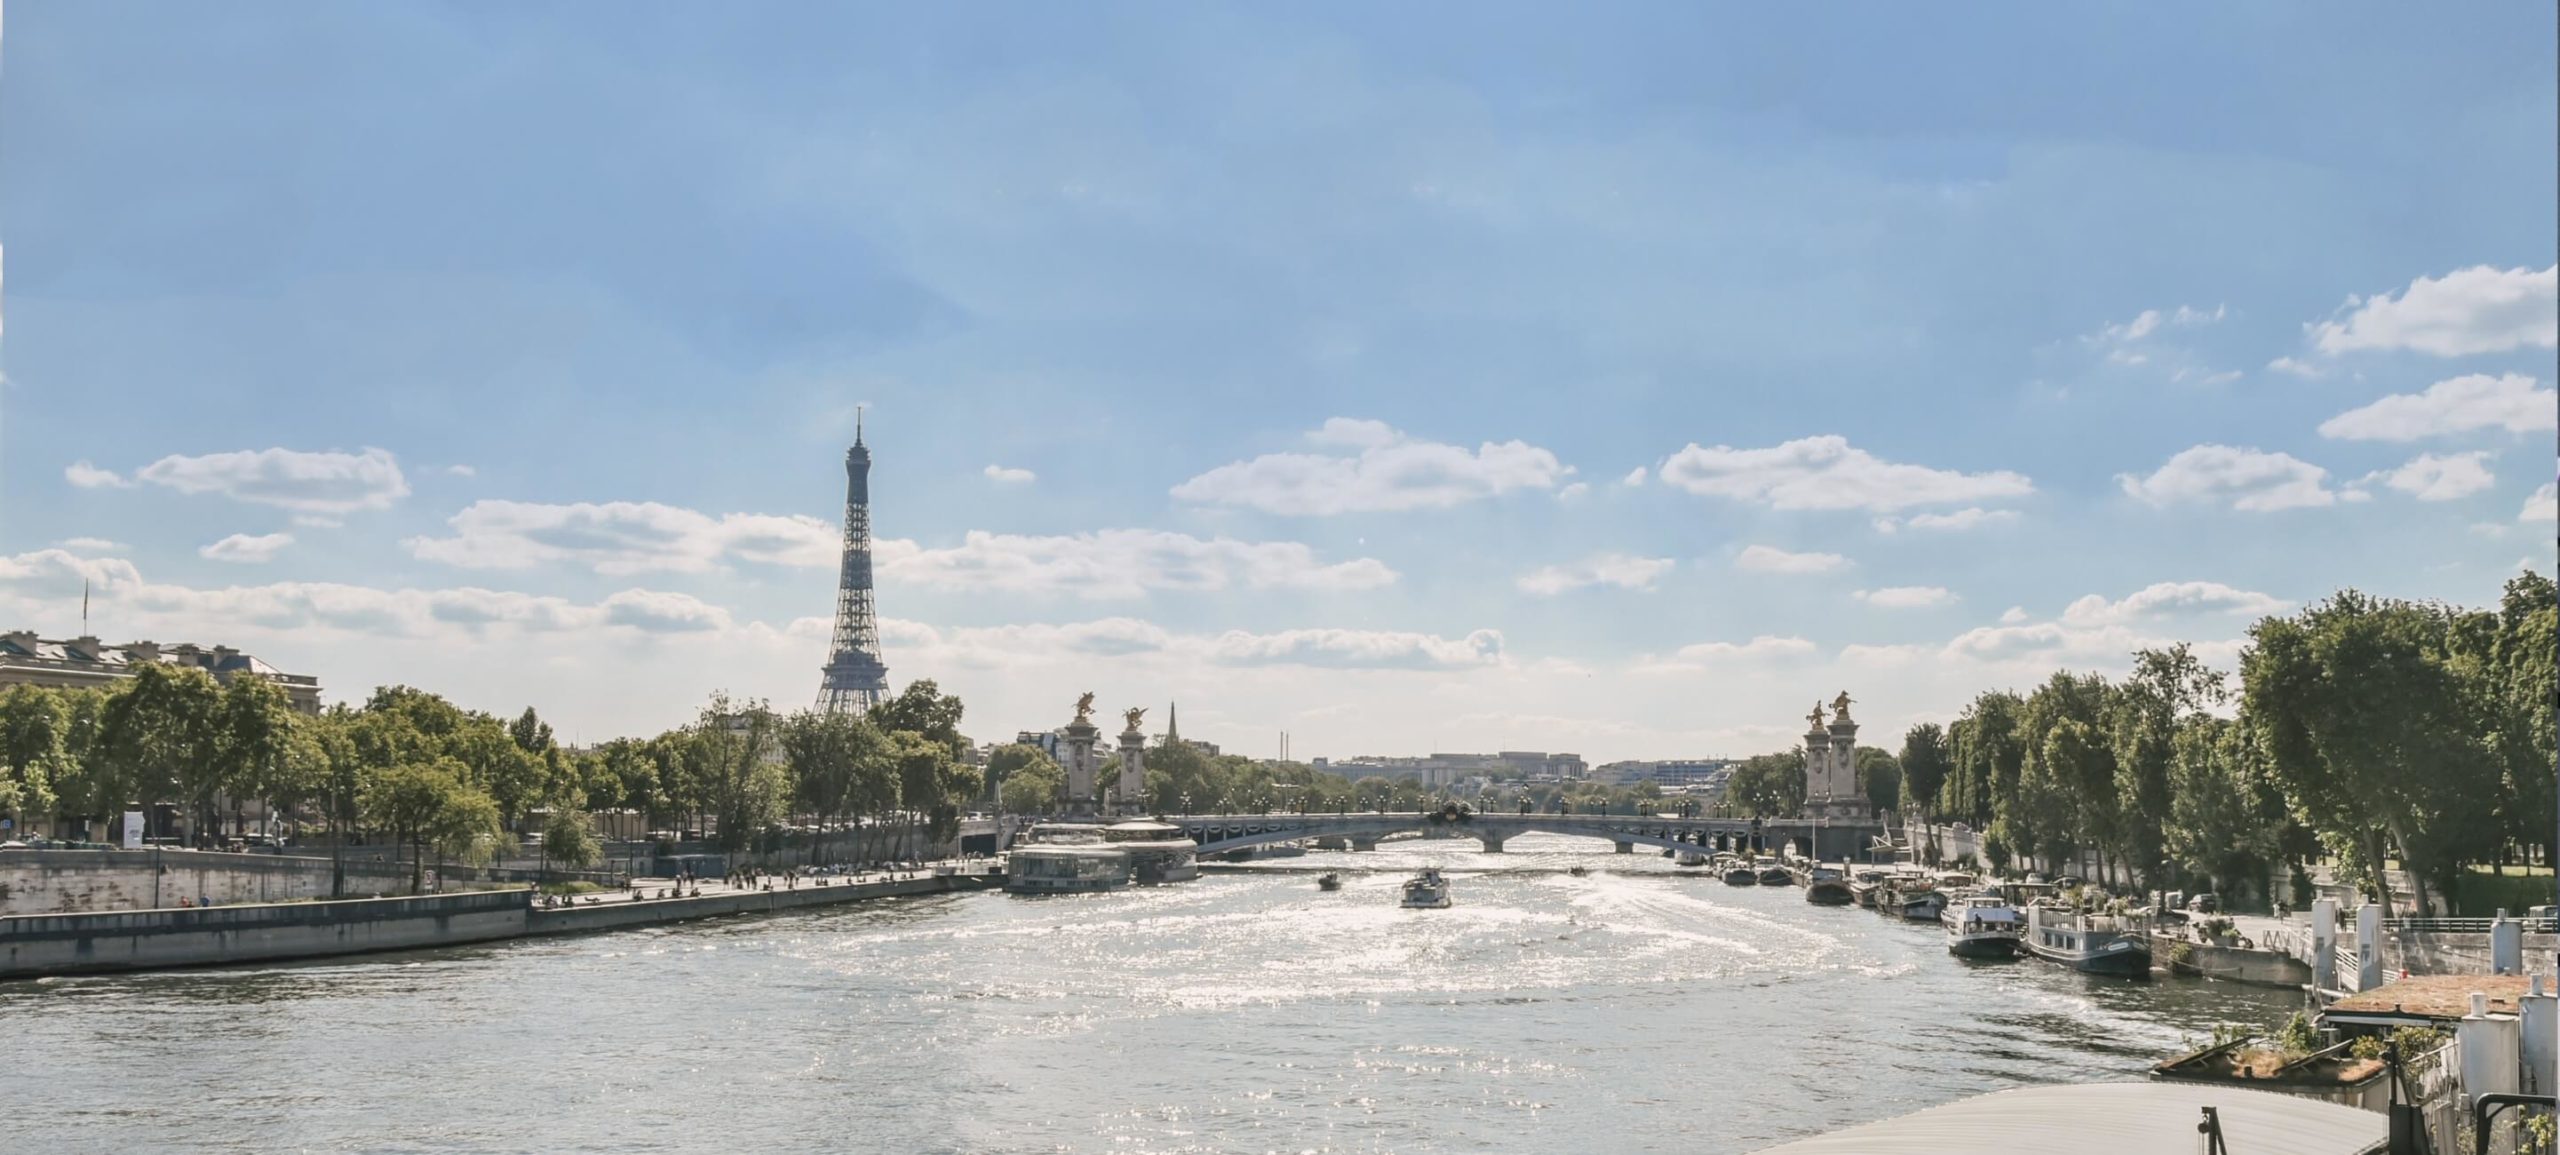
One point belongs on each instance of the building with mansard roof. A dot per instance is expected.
(86, 663)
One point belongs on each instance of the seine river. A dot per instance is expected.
(1634, 1009)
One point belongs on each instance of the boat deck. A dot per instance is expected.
(2111, 1119)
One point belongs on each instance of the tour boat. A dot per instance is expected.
(1863, 886)
(1426, 891)
(1740, 875)
(1981, 926)
(1692, 858)
(1329, 881)
(1823, 886)
(1065, 868)
(2089, 943)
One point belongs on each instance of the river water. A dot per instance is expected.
(1635, 1009)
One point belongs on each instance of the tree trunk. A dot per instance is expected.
(2377, 843)
(337, 853)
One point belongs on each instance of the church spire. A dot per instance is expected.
(1172, 724)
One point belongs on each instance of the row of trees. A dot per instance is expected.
(1182, 778)
(2367, 730)
(412, 768)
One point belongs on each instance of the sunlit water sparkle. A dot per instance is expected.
(1639, 1008)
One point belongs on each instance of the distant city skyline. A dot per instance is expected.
(1615, 382)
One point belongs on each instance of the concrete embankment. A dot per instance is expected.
(34, 946)
(611, 912)
(55, 944)
(72, 881)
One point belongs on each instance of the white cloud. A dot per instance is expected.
(2288, 365)
(2013, 615)
(1725, 655)
(1120, 563)
(624, 537)
(1626, 571)
(90, 544)
(2150, 321)
(2166, 598)
(1634, 478)
(1572, 491)
(1004, 476)
(243, 548)
(1827, 473)
(2475, 310)
(2097, 630)
(1770, 559)
(449, 614)
(2250, 479)
(2544, 505)
(2429, 477)
(462, 471)
(1969, 518)
(2456, 405)
(87, 476)
(323, 483)
(1130, 638)
(1384, 471)
(1906, 597)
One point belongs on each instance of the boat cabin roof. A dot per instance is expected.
(2110, 1119)
(2427, 997)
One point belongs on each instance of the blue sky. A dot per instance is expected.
(1292, 363)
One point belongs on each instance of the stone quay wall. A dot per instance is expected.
(56, 944)
(611, 912)
(70, 881)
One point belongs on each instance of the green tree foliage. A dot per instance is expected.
(35, 750)
(1879, 777)
(160, 738)
(1046, 784)
(1035, 785)
(2374, 719)
(924, 710)
(734, 752)
(569, 840)
(2526, 708)
(1768, 785)
(2218, 827)
(1925, 766)
(429, 805)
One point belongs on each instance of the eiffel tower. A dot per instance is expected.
(854, 678)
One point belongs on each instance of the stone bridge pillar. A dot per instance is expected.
(1492, 843)
(1625, 847)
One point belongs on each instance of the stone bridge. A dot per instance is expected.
(1827, 839)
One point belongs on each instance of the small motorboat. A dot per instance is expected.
(1579, 870)
(1773, 874)
(1740, 875)
(1426, 891)
(1329, 881)
(1691, 858)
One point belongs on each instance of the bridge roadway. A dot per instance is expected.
(1827, 839)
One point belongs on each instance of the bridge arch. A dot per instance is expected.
(1220, 834)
